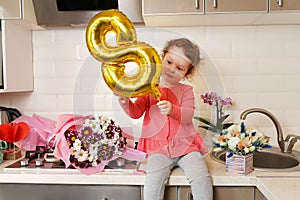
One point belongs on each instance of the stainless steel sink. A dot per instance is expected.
(268, 159)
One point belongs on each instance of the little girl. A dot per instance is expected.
(168, 135)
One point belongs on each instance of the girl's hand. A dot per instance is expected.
(165, 107)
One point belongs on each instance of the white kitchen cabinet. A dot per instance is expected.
(202, 12)
(284, 5)
(235, 6)
(174, 6)
(10, 9)
(17, 62)
(217, 12)
(17, 9)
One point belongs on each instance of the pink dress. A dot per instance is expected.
(172, 135)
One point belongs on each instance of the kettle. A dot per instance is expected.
(8, 115)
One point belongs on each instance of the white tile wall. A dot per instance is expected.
(257, 66)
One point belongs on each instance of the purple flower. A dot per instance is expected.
(87, 131)
(211, 98)
(226, 101)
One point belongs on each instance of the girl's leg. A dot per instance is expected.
(197, 174)
(158, 171)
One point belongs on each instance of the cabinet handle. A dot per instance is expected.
(215, 3)
(280, 3)
(197, 4)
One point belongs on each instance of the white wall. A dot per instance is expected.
(257, 66)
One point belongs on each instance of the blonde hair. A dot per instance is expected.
(190, 50)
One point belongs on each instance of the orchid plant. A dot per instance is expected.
(213, 99)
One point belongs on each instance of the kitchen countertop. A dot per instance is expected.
(272, 184)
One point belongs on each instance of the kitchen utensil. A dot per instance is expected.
(7, 115)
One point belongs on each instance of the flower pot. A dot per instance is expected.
(239, 164)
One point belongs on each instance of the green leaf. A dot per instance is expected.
(212, 129)
(223, 118)
(204, 121)
(227, 125)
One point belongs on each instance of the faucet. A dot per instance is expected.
(291, 139)
(286, 145)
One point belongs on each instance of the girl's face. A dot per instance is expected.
(174, 66)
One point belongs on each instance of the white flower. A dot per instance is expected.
(81, 155)
(77, 145)
(93, 152)
(232, 142)
(246, 149)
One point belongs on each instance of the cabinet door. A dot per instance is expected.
(10, 9)
(221, 6)
(259, 195)
(69, 192)
(170, 193)
(284, 5)
(173, 6)
(233, 193)
(185, 193)
(17, 56)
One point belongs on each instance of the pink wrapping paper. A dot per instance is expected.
(46, 132)
(41, 131)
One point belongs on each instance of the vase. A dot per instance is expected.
(239, 164)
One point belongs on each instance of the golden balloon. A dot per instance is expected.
(126, 50)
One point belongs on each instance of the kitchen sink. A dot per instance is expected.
(268, 159)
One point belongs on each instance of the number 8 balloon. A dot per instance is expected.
(128, 49)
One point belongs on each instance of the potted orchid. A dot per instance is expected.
(213, 99)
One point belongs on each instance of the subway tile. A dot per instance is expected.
(280, 100)
(280, 65)
(257, 48)
(277, 32)
(291, 48)
(54, 85)
(236, 66)
(231, 33)
(218, 49)
(35, 102)
(258, 84)
(292, 118)
(42, 37)
(44, 69)
(65, 103)
(56, 52)
(75, 36)
(67, 69)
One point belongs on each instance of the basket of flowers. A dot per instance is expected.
(240, 142)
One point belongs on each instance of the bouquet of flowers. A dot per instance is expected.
(240, 140)
(212, 98)
(97, 140)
